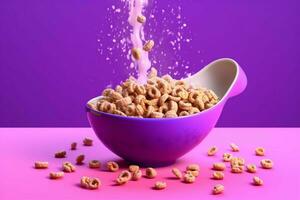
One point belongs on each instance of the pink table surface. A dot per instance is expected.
(20, 147)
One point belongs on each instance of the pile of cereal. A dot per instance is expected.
(160, 97)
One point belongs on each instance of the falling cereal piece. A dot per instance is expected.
(141, 19)
(135, 52)
(148, 45)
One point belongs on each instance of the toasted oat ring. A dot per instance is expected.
(167, 78)
(140, 90)
(118, 112)
(163, 99)
(194, 110)
(173, 106)
(139, 110)
(139, 99)
(199, 103)
(176, 99)
(267, 163)
(184, 113)
(124, 177)
(116, 96)
(149, 110)
(171, 114)
(157, 115)
(153, 92)
(152, 102)
(130, 110)
(184, 106)
(164, 108)
(107, 92)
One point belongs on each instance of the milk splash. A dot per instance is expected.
(165, 25)
(137, 37)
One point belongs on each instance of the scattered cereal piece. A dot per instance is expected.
(151, 172)
(41, 165)
(218, 175)
(212, 151)
(94, 164)
(133, 168)
(177, 173)
(267, 163)
(141, 19)
(159, 185)
(136, 175)
(148, 45)
(237, 169)
(74, 146)
(259, 151)
(234, 147)
(87, 142)
(219, 166)
(189, 178)
(79, 159)
(136, 54)
(218, 189)
(68, 167)
(193, 167)
(60, 154)
(227, 157)
(237, 161)
(112, 166)
(251, 168)
(90, 183)
(124, 177)
(257, 181)
(194, 173)
(56, 175)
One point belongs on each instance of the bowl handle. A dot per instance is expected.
(240, 84)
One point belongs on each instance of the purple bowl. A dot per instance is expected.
(157, 142)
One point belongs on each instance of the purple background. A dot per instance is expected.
(49, 65)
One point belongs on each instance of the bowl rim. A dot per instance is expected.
(97, 112)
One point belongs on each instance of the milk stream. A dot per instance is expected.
(137, 37)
